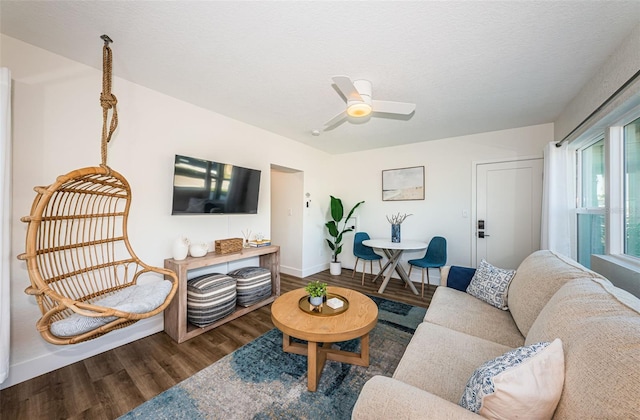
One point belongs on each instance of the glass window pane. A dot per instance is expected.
(590, 237)
(592, 158)
(632, 188)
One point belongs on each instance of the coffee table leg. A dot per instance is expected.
(364, 349)
(316, 357)
(312, 366)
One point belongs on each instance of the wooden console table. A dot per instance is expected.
(175, 316)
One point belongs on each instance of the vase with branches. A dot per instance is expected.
(396, 220)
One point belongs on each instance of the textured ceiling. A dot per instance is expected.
(469, 67)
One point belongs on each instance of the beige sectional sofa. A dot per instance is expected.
(549, 297)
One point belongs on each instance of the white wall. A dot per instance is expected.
(57, 126)
(617, 69)
(449, 165)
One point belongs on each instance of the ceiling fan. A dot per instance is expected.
(359, 103)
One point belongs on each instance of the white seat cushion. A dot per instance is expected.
(137, 299)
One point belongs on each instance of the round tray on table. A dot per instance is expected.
(323, 309)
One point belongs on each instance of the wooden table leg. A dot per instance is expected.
(382, 270)
(312, 366)
(364, 349)
(403, 275)
(318, 354)
(316, 358)
(394, 259)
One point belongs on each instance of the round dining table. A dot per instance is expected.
(393, 251)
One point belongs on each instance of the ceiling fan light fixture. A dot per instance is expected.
(359, 109)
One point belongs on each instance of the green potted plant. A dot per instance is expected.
(336, 232)
(317, 291)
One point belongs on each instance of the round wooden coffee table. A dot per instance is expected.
(321, 331)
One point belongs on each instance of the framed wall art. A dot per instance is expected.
(403, 184)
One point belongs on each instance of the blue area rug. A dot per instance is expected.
(260, 381)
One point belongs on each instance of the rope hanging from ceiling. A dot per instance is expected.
(108, 100)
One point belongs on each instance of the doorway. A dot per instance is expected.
(287, 194)
(508, 208)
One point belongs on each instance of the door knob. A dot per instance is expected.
(482, 235)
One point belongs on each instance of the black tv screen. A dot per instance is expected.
(206, 187)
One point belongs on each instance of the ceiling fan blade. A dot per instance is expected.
(347, 88)
(336, 120)
(391, 107)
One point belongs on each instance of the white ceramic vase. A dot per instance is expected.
(198, 249)
(180, 248)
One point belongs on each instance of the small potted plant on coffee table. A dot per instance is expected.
(317, 291)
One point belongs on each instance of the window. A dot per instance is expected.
(591, 202)
(632, 188)
(608, 193)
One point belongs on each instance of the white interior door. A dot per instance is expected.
(508, 208)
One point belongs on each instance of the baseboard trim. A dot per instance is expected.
(66, 355)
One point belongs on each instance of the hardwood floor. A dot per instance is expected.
(110, 384)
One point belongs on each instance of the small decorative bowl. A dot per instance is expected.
(198, 249)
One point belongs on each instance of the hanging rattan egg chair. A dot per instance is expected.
(84, 274)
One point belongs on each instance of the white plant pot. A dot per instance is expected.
(315, 300)
(335, 268)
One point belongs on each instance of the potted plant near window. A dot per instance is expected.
(317, 291)
(336, 232)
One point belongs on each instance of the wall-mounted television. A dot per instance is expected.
(206, 187)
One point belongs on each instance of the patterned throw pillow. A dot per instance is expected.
(522, 383)
(491, 284)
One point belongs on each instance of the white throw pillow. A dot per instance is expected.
(491, 284)
(523, 383)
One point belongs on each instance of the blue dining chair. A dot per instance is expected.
(364, 253)
(435, 257)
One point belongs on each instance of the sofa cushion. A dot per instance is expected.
(440, 361)
(523, 383)
(459, 277)
(491, 284)
(464, 313)
(599, 326)
(387, 398)
(538, 277)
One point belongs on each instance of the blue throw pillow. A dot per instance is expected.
(460, 277)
